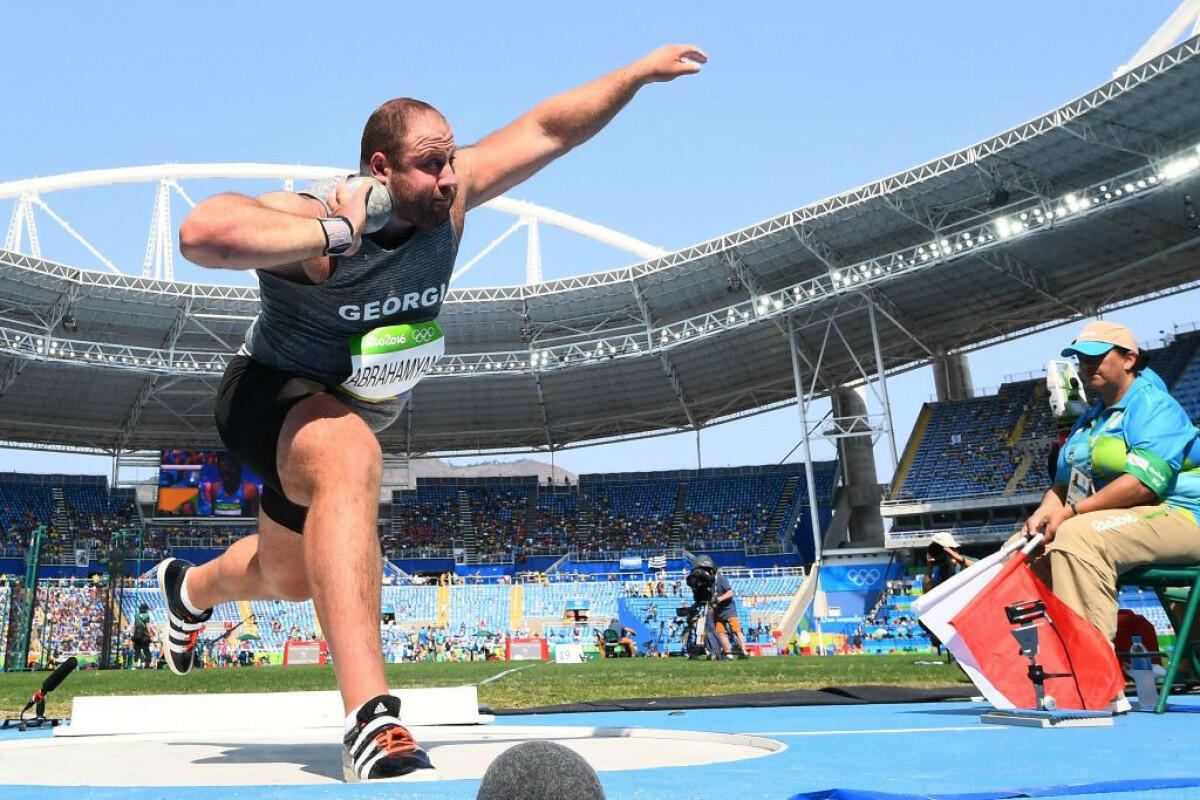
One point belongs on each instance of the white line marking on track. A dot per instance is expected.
(500, 675)
(876, 730)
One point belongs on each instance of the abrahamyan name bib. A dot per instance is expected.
(389, 361)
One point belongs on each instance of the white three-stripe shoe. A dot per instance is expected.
(379, 747)
(183, 626)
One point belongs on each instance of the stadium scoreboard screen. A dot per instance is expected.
(206, 483)
(526, 650)
(305, 653)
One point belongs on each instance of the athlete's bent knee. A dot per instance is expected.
(287, 584)
(329, 451)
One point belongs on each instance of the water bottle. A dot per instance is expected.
(1143, 673)
(1138, 663)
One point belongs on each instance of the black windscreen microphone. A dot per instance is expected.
(51, 683)
(540, 770)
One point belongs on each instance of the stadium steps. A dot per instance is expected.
(802, 599)
(1037, 396)
(443, 604)
(62, 522)
(531, 508)
(1019, 474)
(247, 613)
(466, 528)
(910, 450)
(1177, 360)
(516, 606)
(785, 509)
(677, 519)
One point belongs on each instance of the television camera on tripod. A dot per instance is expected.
(712, 606)
(702, 579)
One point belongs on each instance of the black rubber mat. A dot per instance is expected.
(904, 694)
(832, 696)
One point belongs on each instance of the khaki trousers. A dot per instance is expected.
(1091, 551)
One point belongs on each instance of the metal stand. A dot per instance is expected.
(38, 720)
(1028, 617)
(695, 636)
(207, 646)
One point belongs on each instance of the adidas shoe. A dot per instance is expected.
(378, 746)
(183, 626)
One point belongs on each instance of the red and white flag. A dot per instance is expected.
(967, 613)
(937, 607)
(1068, 645)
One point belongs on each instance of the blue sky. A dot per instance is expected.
(799, 101)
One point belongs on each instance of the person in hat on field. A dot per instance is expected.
(1126, 489)
(942, 560)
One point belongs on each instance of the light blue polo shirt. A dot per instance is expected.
(1146, 434)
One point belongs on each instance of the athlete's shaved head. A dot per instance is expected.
(387, 127)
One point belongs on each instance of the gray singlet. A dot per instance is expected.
(308, 329)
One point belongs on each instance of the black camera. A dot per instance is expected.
(702, 579)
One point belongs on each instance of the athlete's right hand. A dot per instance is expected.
(350, 202)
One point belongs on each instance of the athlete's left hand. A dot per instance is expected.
(670, 61)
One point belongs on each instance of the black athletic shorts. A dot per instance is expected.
(252, 403)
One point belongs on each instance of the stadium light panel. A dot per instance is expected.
(1028, 215)
(1179, 167)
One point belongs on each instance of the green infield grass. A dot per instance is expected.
(531, 684)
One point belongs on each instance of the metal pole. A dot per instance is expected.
(882, 377)
(802, 407)
(698, 461)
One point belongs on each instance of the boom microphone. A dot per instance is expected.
(540, 770)
(51, 683)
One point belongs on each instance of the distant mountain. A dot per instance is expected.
(437, 468)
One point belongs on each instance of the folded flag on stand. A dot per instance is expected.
(1068, 644)
(972, 611)
(937, 607)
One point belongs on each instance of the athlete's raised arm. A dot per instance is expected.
(505, 158)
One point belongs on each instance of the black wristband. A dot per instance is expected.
(1075, 509)
(339, 235)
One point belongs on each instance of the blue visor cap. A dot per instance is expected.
(1087, 349)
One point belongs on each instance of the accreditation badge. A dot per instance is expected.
(389, 361)
(1079, 487)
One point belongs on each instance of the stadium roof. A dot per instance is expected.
(1082, 209)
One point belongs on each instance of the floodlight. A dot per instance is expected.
(1178, 167)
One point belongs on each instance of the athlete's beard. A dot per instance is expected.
(423, 214)
(434, 216)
